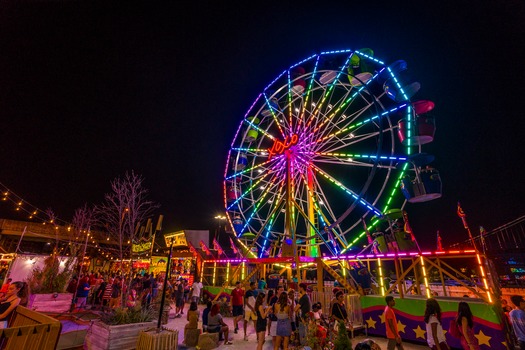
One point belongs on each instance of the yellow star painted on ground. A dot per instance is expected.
(371, 323)
(420, 333)
(483, 338)
(401, 327)
(382, 317)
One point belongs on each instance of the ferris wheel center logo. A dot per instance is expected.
(279, 147)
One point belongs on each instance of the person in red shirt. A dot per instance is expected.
(237, 295)
(392, 333)
(5, 287)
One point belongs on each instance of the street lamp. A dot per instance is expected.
(170, 239)
(220, 218)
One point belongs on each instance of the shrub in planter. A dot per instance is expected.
(342, 341)
(120, 329)
(49, 278)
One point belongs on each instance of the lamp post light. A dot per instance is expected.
(170, 240)
(221, 218)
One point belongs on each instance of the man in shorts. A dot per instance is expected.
(237, 295)
(392, 334)
(179, 298)
(249, 308)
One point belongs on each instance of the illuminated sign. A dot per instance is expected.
(280, 146)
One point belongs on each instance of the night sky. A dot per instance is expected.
(90, 90)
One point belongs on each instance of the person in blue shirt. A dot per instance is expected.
(205, 314)
(262, 284)
(517, 319)
(82, 292)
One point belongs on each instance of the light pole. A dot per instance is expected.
(221, 218)
(170, 240)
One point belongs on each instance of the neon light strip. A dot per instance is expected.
(290, 111)
(392, 193)
(369, 57)
(425, 279)
(256, 127)
(404, 254)
(228, 266)
(308, 93)
(244, 171)
(363, 156)
(331, 88)
(484, 277)
(254, 185)
(366, 121)
(351, 193)
(274, 116)
(214, 272)
(243, 268)
(381, 282)
(259, 202)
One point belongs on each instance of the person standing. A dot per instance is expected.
(435, 337)
(82, 292)
(272, 319)
(261, 323)
(284, 325)
(465, 325)
(179, 298)
(237, 295)
(249, 308)
(116, 290)
(305, 307)
(196, 291)
(392, 334)
(261, 285)
(517, 319)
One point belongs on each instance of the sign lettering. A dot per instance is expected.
(279, 147)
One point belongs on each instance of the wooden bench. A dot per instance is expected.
(30, 330)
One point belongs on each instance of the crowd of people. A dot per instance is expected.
(284, 314)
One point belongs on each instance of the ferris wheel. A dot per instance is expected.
(328, 145)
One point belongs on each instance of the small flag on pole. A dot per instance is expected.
(463, 216)
(368, 236)
(439, 243)
(204, 247)
(217, 247)
(192, 249)
(233, 246)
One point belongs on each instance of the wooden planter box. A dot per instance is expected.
(120, 337)
(51, 303)
(166, 339)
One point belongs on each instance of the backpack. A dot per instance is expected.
(453, 328)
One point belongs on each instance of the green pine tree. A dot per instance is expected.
(342, 341)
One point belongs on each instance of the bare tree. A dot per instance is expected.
(82, 221)
(124, 209)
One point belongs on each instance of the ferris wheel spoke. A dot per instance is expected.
(320, 201)
(345, 189)
(255, 208)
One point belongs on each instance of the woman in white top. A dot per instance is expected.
(435, 336)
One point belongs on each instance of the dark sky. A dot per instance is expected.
(90, 90)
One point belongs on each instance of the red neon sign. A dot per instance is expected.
(279, 147)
